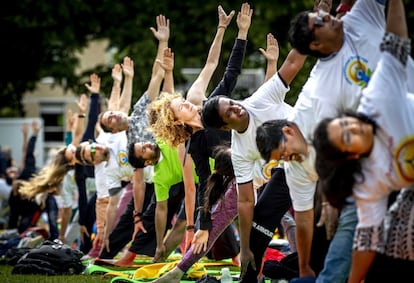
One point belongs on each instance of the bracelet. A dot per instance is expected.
(189, 227)
(136, 213)
(137, 221)
(325, 203)
(81, 115)
(221, 27)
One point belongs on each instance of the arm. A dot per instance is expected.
(291, 66)
(113, 101)
(271, 54)
(69, 127)
(25, 133)
(245, 207)
(190, 192)
(79, 123)
(161, 212)
(304, 234)
(138, 186)
(94, 89)
(162, 34)
(110, 219)
(126, 95)
(234, 65)
(196, 93)
(167, 64)
(361, 262)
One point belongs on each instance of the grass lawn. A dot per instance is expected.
(7, 277)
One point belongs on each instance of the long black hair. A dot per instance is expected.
(218, 181)
(337, 172)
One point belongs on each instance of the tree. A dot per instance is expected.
(41, 39)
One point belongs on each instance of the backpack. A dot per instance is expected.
(51, 258)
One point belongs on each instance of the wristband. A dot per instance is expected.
(81, 115)
(189, 227)
(221, 27)
(342, 8)
(136, 213)
(137, 221)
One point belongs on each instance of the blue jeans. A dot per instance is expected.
(338, 259)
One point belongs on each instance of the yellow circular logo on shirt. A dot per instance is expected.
(405, 159)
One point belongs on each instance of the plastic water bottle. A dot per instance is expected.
(225, 275)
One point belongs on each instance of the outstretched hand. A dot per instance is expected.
(224, 19)
(167, 62)
(244, 17)
(272, 50)
(162, 33)
(200, 241)
(95, 85)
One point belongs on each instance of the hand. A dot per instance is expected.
(95, 85)
(35, 128)
(160, 254)
(25, 129)
(329, 218)
(272, 51)
(167, 62)
(83, 231)
(117, 74)
(139, 226)
(189, 236)
(244, 17)
(98, 241)
(224, 19)
(83, 103)
(324, 5)
(128, 67)
(163, 28)
(246, 259)
(200, 241)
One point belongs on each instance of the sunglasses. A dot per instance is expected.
(92, 151)
(319, 20)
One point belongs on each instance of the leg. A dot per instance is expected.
(222, 217)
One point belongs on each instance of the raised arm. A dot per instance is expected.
(94, 109)
(126, 95)
(291, 66)
(79, 120)
(167, 63)
(197, 92)
(271, 54)
(162, 34)
(113, 101)
(234, 65)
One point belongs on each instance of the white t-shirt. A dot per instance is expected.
(391, 162)
(117, 168)
(334, 83)
(267, 103)
(100, 177)
(301, 179)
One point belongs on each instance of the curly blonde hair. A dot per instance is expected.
(48, 179)
(162, 121)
